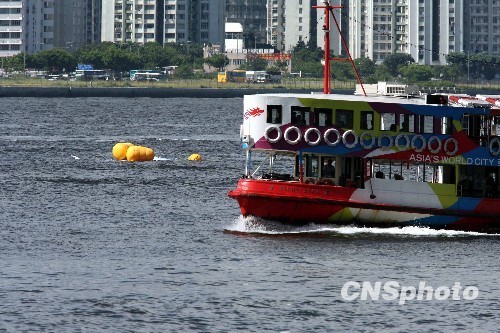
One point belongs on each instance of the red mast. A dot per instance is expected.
(326, 28)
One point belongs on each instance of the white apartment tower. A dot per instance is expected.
(163, 21)
(40, 27)
(426, 29)
(200, 21)
(305, 23)
(130, 21)
(12, 27)
(482, 26)
(275, 30)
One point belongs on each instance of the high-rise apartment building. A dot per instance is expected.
(86, 23)
(39, 24)
(426, 29)
(252, 14)
(482, 26)
(12, 27)
(275, 29)
(305, 23)
(163, 21)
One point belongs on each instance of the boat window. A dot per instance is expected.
(366, 120)
(300, 115)
(407, 123)
(274, 113)
(495, 126)
(344, 118)
(426, 124)
(346, 168)
(311, 166)
(447, 125)
(388, 122)
(323, 117)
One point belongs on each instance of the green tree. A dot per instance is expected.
(342, 70)
(15, 62)
(417, 73)
(218, 61)
(254, 63)
(365, 67)
(54, 61)
(119, 60)
(184, 71)
(395, 62)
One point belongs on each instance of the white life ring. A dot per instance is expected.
(327, 134)
(344, 139)
(382, 137)
(455, 143)
(309, 131)
(414, 140)
(362, 140)
(407, 142)
(271, 128)
(493, 151)
(429, 144)
(287, 132)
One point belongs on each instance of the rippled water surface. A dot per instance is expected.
(88, 243)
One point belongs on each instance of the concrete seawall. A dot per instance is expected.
(141, 92)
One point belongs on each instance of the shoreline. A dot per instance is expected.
(151, 92)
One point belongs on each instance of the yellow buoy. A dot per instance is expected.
(140, 154)
(195, 157)
(120, 150)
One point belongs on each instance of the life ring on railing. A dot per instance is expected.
(269, 129)
(362, 140)
(414, 140)
(344, 139)
(309, 131)
(493, 151)
(455, 143)
(299, 135)
(400, 147)
(327, 134)
(429, 144)
(380, 142)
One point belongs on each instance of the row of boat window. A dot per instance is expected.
(475, 125)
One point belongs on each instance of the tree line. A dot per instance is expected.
(306, 59)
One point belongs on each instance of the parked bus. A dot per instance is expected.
(91, 74)
(146, 75)
(237, 75)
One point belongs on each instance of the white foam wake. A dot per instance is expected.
(159, 158)
(254, 225)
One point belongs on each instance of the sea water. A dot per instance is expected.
(88, 243)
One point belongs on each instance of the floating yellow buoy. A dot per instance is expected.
(120, 150)
(195, 157)
(140, 154)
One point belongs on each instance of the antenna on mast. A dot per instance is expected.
(326, 28)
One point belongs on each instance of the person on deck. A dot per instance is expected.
(329, 170)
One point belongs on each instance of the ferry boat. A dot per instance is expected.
(390, 159)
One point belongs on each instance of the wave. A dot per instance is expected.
(257, 226)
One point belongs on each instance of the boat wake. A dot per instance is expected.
(256, 226)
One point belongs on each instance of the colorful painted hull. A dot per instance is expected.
(380, 204)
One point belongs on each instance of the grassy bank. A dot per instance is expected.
(287, 83)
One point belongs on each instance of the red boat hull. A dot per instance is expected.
(299, 203)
